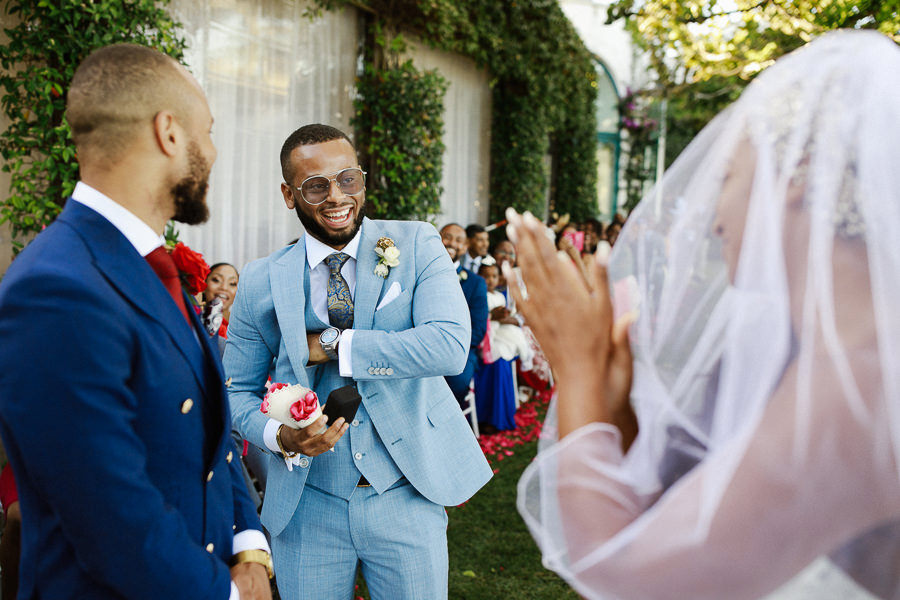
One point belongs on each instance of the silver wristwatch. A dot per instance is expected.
(329, 339)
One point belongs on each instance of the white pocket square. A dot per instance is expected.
(390, 296)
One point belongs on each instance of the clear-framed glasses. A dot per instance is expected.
(315, 189)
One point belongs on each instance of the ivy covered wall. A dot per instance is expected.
(544, 86)
(43, 48)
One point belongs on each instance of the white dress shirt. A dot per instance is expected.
(145, 241)
(471, 263)
(316, 253)
(141, 235)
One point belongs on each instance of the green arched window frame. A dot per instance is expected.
(609, 136)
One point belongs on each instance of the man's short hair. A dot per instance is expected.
(307, 135)
(473, 229)
(448, 225)
(117, 90)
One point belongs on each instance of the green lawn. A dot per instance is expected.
(492, 555)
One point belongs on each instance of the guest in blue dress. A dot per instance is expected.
(495, 393)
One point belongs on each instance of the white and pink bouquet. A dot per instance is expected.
(294, 405)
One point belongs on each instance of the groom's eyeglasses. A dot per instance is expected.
(315, 189)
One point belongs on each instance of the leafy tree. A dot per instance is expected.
(704, 52)
(44, 48)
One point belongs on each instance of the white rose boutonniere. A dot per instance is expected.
(388, 255)
(463, 275)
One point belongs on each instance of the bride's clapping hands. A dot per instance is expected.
(568, 307)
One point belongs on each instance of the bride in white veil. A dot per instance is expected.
(760, 289)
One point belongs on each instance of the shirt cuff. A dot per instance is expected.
(250, 539)
(269, 434)
(345, 361)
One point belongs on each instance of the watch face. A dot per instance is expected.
(329, 336)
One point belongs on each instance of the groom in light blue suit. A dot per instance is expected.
(329, 312)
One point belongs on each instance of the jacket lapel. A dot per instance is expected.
(132, 276)
(286, 283)
(368, 284)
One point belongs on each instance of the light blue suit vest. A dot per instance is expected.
(360, 451)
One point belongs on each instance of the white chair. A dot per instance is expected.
(521, 391)
(471, 410)
(515, 378)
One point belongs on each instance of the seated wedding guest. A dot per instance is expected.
(477, 245)
(538, 376)
(221, 283)
(569, 238)
(453, 237)
(593, 230)
(611, 233)
(761, 372)
(506, 338)
(495, 390)
(504, 252)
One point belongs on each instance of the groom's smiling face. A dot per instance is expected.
(336, 220)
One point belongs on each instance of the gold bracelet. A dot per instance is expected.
(255, 556)
(281, 445)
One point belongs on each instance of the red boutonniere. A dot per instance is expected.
(191, 267)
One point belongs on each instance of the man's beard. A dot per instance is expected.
(316, 230)
(189, 192)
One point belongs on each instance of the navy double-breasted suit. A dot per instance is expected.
(114, 415)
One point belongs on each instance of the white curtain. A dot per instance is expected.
(467, 128)
(266, 70)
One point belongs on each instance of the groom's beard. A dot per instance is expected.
(189, 192)
(320, 233)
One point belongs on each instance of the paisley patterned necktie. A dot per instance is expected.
(340, 304)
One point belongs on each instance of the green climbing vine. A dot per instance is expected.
(543, 85)
(43, 49)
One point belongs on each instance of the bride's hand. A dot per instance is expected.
(570, 312)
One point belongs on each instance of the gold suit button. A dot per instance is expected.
(229, 456)
(209, 476)
(186, 406)
(210, 548)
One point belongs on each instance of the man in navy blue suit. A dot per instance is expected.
(474, 289)
(113, 408)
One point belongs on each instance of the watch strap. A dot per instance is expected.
(255, 556)
(330, 353)
(281, 444)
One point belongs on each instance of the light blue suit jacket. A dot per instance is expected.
(400, 355)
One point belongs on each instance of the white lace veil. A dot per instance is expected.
(766, 271)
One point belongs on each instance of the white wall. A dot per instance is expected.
(467, 127)
(611, 43)
(266, 70)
